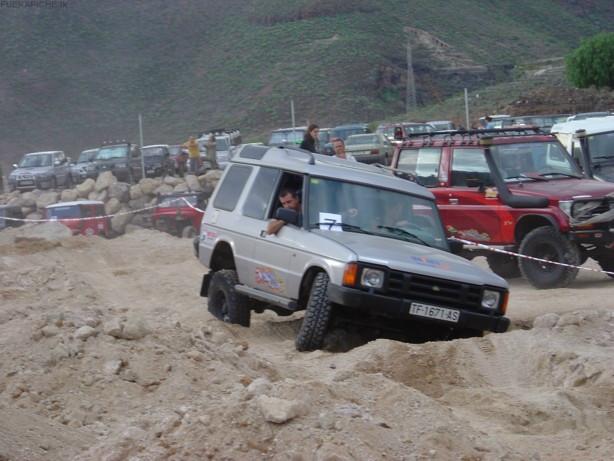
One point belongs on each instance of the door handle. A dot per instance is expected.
(453, 201)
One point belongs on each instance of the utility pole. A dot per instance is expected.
(410, 89)
(141, 140)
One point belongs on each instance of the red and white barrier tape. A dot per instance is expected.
(518, 255)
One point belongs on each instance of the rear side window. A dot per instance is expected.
(470, 165)
(230, 190)
(422, 163)
(260, 194)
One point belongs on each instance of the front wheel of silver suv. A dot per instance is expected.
(224, 301)
(317, 316)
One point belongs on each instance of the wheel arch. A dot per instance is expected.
(529, 222)
(306, 282)
(222, 257)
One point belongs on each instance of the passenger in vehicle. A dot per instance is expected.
(310, 140)
(289, 198)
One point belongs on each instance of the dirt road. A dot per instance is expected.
(108, 353)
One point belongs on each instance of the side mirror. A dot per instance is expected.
(456, 247)
(15, 165)
(287, 215)
(57, 163)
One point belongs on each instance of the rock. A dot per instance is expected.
(147, 186)
(136, 192)
(164, 189)
(112, 367)
(50, 231)
(47, 198)
(197, 356)
(193, 183)
(119, 223)
(85, 188)
(212, 175)
(120, 191)
(105, 179)
(546, 321)
(183, 187)
(279, 411)
(113, 328)
(85, 332)
(258, 386)
(69, 195)
(33, 216)
(50, 330)
(135, 328)
(173, 181)
(112, 206)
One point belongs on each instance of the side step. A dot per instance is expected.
(270, 298)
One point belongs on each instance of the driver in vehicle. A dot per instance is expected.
(289, 198)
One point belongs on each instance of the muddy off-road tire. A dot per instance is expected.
(547, 243)
(317, 316)
(224, 301)
(503, 265)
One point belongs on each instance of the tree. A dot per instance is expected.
(592, 63)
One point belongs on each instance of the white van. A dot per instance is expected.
(591, 143)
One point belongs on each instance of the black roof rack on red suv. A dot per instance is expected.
(466, 136)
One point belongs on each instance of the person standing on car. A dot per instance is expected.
(193, 153)
(310, 140)
(339, 149)
(212, 152)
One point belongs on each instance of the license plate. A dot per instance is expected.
(434, 312)
(26, 183)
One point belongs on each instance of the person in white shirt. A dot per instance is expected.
(339, 149)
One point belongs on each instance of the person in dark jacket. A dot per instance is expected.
(310, 140)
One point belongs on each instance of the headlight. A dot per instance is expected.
(490, 299)
(565, 206)
(372, 278)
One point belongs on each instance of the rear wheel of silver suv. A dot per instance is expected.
(224, 301)
(548, 244)
(317, 316)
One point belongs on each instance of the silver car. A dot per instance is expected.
(370, 148)
(85, 166)
(366, 247)
(41, 170)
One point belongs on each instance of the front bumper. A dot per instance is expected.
(398, 308)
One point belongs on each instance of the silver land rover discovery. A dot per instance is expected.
(365, 247)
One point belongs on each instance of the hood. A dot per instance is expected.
(562, 189)
(31, 170)
(149, 159)
(412, 257)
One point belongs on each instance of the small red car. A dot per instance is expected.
(179, 214)
(85, 217)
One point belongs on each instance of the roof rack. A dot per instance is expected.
(312, 159)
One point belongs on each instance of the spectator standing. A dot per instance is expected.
(212, 152)
(310, 140)
(339, 149)
(489, 122)
(193, 154)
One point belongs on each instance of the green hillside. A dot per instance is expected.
(77, 75)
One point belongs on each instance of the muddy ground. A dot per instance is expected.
(109, 353)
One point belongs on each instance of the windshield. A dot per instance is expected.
(87, 156)
(601, 147)
(153, 151)
(526, 160)
(221, 144)
(424, 128)
(348, 207)
(287, 137)
(106, 153)
(62, 212)
(440, 126)
(361, 139)
(31, 161)
(324, 136)
(343, 133)
(172, 202)
(386, 130)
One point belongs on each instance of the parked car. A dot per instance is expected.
(396, 132)
(13, 213)
(343, 131)
(157, 160)
(85, 217)
(41, 170)
(173, 213)
(516, 190)
(85, 166)
(496, 120)
(585, 115)
(287, 136)
(369, 148)
(543, 122)
(379, 265)
(224, 150)
(591, 143)
(442, 125)
(123, 159)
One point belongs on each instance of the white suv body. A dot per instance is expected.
(348, 257)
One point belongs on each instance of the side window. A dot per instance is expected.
(468, 167)
(423, 163)
(261, 193)
(289, 182)
(230, 190)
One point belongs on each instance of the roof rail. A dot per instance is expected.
(479, 133)
(312, 159)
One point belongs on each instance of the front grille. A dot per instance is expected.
(432, 290)
(583, 210)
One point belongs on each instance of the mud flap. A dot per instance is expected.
(204, 288)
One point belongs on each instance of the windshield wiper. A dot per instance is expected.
(524, 176)
(568, 175)
(404, 233)
(343, 226)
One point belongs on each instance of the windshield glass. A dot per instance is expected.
(287, 137)
(155, 151)
(361, 139)
(168, 202)
(348, 207)
(343, 133)
(31, 161)
(547, 159)
(221, 144)
(423, 128)
(87, 155)
(387, 130)
(106, 153)
(601, 147)
(62, 212)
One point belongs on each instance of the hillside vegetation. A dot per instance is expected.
(77, 75)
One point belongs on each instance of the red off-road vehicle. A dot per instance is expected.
(519, 190)
(179, 214)
(85, 217)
